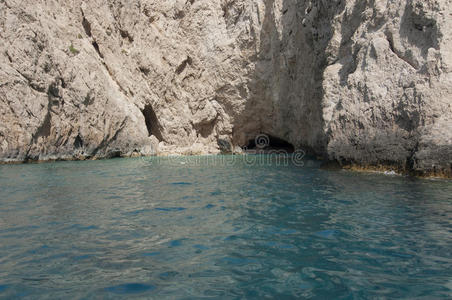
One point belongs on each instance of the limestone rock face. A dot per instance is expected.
(388, 85)
(360, 82)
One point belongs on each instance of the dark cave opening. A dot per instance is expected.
(152, 122)
(265, 142)
(78, 142)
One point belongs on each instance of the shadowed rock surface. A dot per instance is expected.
(365, 83)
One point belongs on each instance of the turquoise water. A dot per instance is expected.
(193, 228)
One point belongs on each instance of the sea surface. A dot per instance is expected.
(221, 228)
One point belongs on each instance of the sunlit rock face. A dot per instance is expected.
(360, 82)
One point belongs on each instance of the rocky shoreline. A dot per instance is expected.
(325, 164)
(367, 85)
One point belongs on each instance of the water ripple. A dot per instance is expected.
(129, 228)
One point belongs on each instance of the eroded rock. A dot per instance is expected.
(359, 82)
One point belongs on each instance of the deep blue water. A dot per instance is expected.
(191, 228)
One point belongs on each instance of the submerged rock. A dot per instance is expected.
(366, 83)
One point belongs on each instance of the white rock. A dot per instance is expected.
(358, 82)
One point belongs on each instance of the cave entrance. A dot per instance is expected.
(152, 122)
(265, 143)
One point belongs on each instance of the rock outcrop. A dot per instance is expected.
(364, 83)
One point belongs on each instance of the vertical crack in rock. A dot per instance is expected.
(86, 25)
(183, 65)
(96, 47)
(152, 123)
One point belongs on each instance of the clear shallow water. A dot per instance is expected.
(178, 229)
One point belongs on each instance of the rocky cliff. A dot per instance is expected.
(365, 83)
